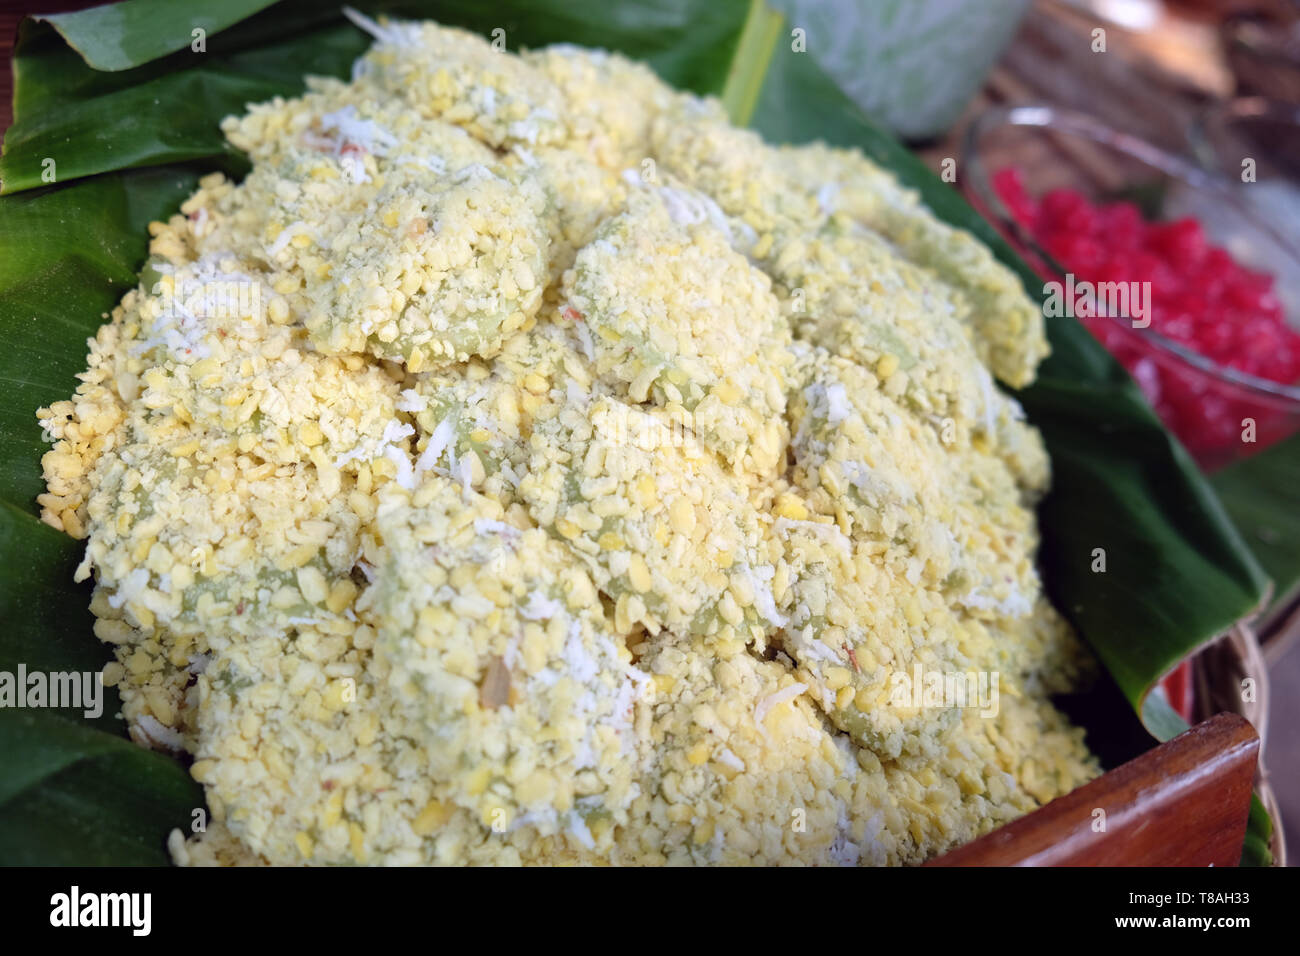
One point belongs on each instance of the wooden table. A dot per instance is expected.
(1151, 84)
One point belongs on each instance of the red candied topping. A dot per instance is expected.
(1200, 297)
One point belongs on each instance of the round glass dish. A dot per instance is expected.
(1219, 412)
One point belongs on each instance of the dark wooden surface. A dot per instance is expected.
(1152, 83)
(1184, 803)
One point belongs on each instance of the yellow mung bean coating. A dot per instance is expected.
(492, 654)
(1008, 327)
(685, 323)
(522, 465)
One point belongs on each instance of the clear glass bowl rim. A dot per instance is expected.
(1072, 122)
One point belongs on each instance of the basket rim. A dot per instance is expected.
(1217, 685)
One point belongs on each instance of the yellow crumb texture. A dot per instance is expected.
(523, 465)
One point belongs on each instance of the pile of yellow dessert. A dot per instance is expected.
(524, 465)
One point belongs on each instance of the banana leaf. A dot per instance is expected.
(130, 124)
(1262, 494)
(124, 35)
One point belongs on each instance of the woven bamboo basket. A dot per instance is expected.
(1219, 672)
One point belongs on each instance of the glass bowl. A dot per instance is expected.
(1220, 413)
